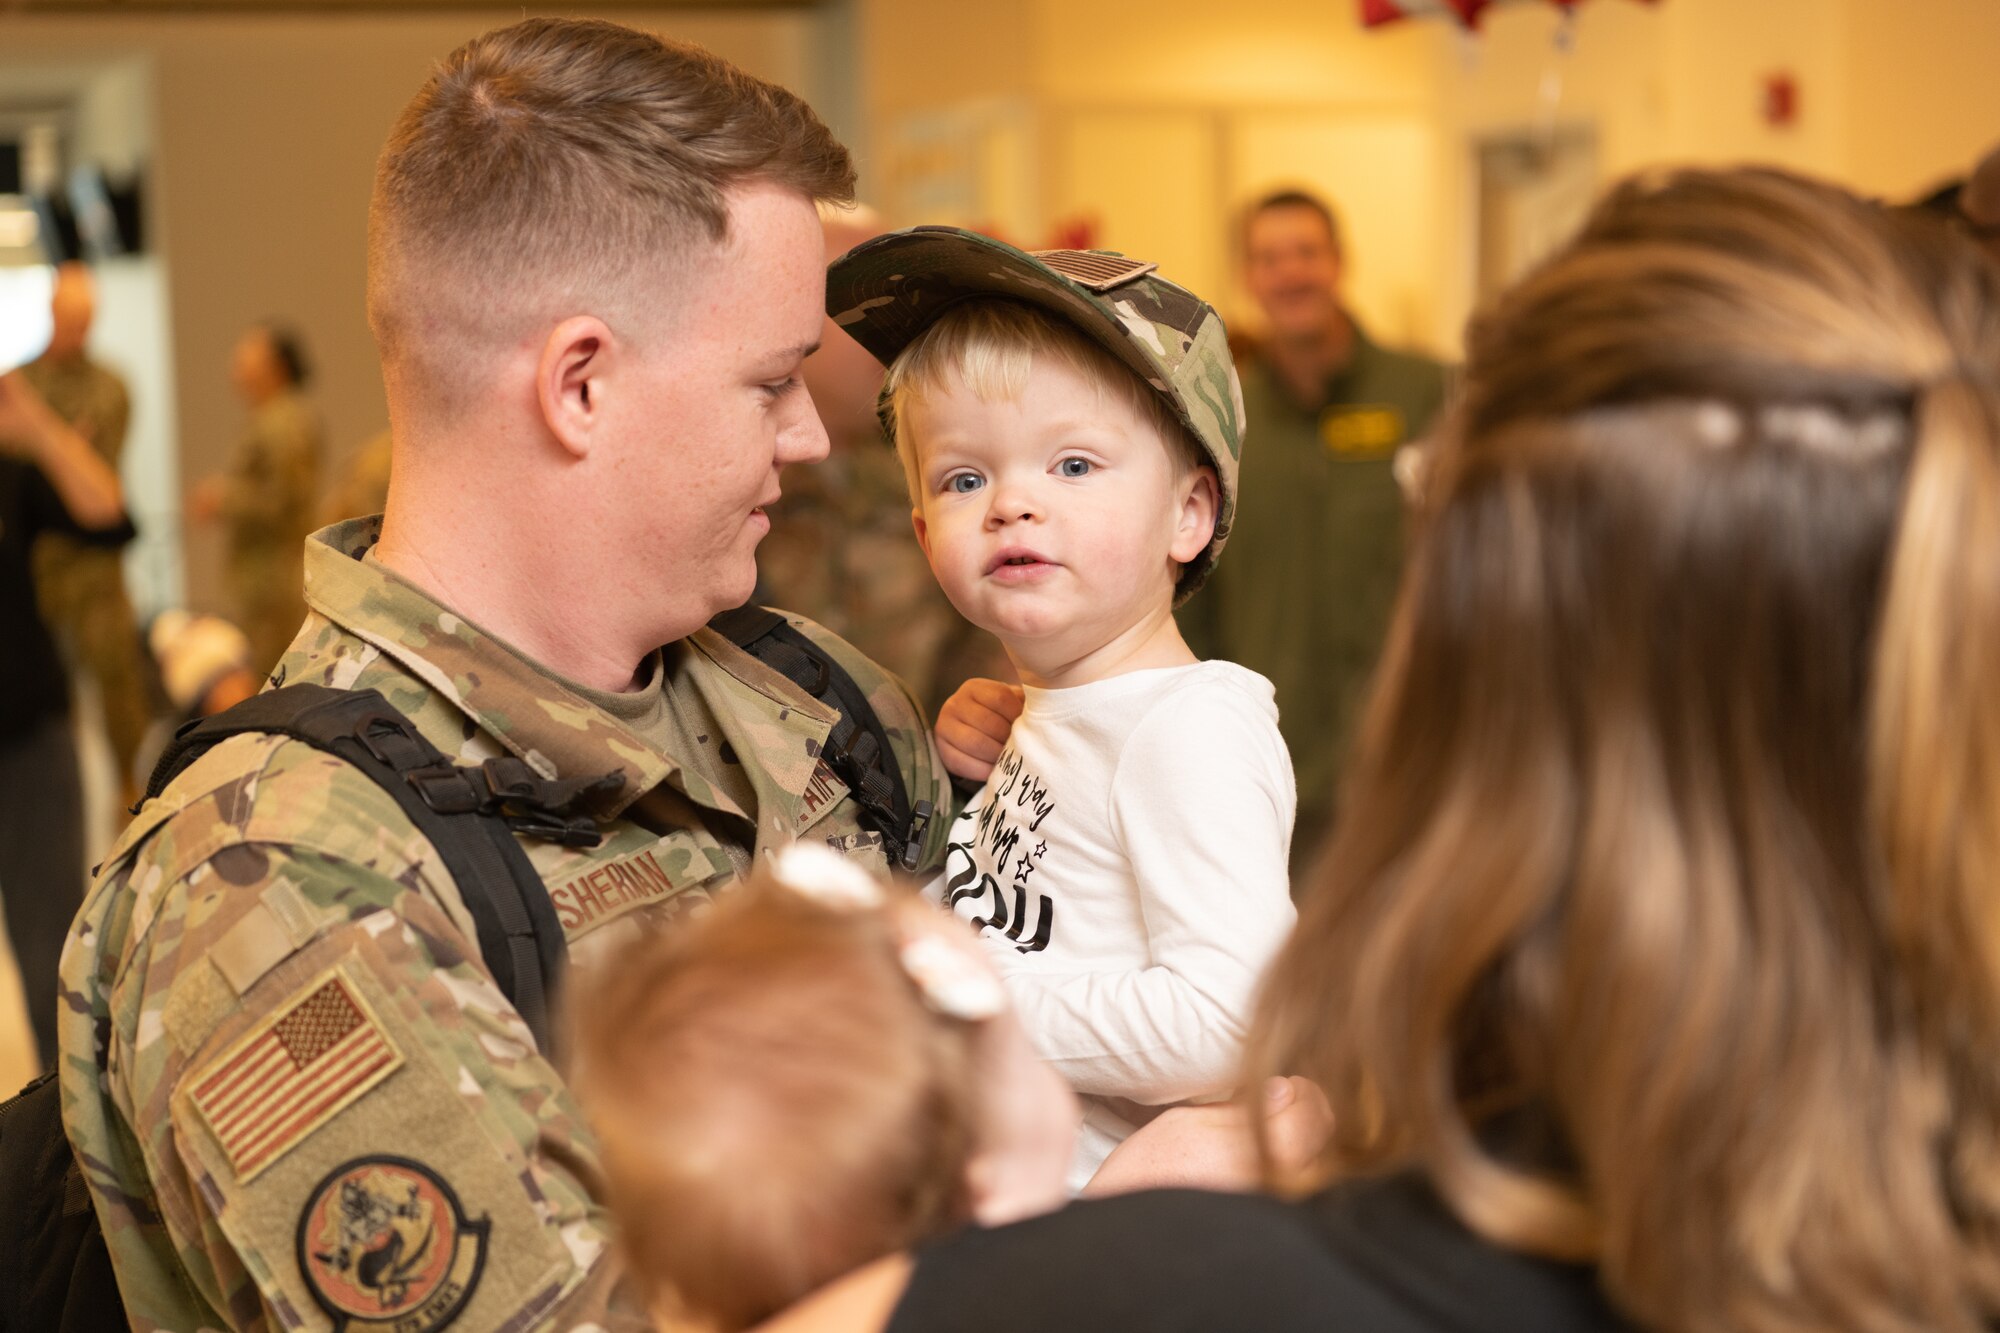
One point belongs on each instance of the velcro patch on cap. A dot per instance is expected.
(292, 1073)
(1095, 269)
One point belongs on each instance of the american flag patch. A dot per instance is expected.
(293, 1074)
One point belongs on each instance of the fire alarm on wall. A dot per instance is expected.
(1781, 99)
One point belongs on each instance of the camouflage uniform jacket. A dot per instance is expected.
(273, 477)
(298, 1097)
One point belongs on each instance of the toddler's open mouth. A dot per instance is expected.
(1016, 563)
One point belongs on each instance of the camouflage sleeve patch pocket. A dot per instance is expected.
(361, 1157)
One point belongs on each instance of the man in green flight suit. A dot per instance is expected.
(298, 1096)
(1304, 597)
(81, 588)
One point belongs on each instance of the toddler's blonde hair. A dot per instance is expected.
(991, 346)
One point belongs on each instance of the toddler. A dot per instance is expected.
(1070, 426)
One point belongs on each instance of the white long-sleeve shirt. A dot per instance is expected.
(1127, 862)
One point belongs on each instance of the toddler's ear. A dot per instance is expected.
(1200, 497)
(923, 531)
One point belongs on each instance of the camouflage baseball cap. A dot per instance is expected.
(887, 291)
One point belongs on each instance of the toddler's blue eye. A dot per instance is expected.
(963, 483)
(1075, 467)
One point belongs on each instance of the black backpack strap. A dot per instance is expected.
(470, 815)
(857, 749)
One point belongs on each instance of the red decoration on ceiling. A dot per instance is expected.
(1781, 99)
(1374, 13)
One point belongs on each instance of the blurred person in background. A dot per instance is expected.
(1304, 600)
(841, 548)
(52, 480)
(361, 488)
(266, 498)
(81, 585)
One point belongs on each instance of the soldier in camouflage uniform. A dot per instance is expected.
(266, 499)
(82, 588)
(298, 1096)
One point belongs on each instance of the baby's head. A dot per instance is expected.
(1069, 423)
(805, 1079)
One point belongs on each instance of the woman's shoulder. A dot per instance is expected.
(1163, 1260)
(1376, 1256)
(1398, 1236)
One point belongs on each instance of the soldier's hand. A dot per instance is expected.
(973, 726)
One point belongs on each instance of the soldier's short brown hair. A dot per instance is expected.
(551, 160)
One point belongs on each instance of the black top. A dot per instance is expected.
(1374, 1257)
(33, 684)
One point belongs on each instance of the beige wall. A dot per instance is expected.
(1925, 92)
(1161, 117)
(265, 132)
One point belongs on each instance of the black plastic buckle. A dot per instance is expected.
(387, 738)
(913, 841)
(446, 789)
(510, 779)
(579, 832)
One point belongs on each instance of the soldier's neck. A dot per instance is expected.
(530, 609)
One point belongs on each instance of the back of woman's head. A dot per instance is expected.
(1662, 926)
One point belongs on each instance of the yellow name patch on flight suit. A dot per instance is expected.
(1369, 431)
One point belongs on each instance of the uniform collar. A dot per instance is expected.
(1361, 351)
(1338, 387)
(555, 730)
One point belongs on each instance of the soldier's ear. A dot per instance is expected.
(570, 381)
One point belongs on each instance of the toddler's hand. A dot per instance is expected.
(973, 726)
(1212, 1147)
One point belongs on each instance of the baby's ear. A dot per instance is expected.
(1200, 496)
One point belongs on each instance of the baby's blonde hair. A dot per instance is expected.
(776, 1104)
(990, 347)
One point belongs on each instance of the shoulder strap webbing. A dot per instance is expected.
(469, 815)
(857, 749)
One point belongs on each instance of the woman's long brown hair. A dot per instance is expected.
(1672, 838)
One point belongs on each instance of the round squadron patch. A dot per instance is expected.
(384, 1244)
